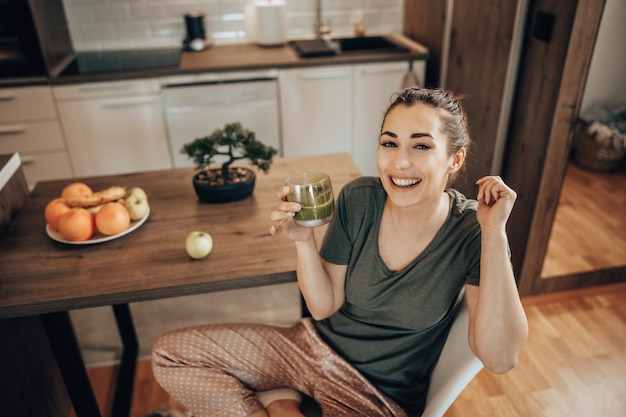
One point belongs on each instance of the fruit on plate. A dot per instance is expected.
(98, 198)
(136, 201)
(139, 192)
(112, 218)
(76, 224)
(76, 189)
(54, 210)
(198, 244)
(107, 210)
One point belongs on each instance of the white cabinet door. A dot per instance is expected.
(29, 125)
(316, 110)
(374, 84)
(114, 134)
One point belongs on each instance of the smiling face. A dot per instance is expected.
(414, 161)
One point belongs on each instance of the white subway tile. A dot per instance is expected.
(160, 23)
(112, 12)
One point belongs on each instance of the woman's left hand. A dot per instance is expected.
(495, 201)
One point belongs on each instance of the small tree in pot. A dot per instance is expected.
(227, 183)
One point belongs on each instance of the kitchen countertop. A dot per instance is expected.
(241, 57)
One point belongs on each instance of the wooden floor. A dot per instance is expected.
(589, 229)
(574, 365)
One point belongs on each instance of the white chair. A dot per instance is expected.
(456, 367)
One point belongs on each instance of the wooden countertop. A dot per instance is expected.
(39, 275)
(240, 57)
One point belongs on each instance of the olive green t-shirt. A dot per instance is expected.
(393, 324)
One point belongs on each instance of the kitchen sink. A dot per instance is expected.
(341, 46)
(365, 44)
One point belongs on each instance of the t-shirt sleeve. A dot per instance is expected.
(337, 245)
(472, 257)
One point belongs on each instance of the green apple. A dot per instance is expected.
(139, 192)
(198, 244)
(137, 206)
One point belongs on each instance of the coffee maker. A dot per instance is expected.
(196, 36)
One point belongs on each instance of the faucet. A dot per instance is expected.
(319, 28)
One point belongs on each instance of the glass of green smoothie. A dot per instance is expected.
(314, 192)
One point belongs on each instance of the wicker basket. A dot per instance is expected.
(590, 154)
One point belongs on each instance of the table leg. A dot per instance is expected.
(60, 332)
(126, 375)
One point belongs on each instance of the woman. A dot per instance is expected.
(382, 289)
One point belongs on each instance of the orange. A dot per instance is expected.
(77, 224)
(54, 210)
(75, 189)
(113, 218)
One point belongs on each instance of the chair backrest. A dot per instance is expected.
(456, 367)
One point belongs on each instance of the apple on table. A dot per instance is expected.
(198, 244)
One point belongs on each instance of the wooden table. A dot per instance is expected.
(39, 276)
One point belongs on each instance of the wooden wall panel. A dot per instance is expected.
(478, 59)
(480, 45)
(424, 22)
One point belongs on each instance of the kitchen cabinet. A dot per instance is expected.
(29, 125)
(374, 85)
(114, 127)
(339, 108)
(316, 110)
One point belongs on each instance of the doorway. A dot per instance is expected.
(589, 229)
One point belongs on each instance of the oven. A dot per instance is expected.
(20, 51)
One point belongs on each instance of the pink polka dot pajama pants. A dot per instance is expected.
(215, 370)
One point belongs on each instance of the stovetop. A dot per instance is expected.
(95, 62)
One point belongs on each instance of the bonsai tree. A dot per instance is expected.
(235, 142)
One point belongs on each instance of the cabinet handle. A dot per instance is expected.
(382, 71)
(120, 105)
(7, 96)
(116, 87)
(6, 130)
(318, 75)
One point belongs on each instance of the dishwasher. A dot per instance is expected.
(197, 104)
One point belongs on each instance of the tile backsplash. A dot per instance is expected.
(124, 24)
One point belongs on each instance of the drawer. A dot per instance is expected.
(25, 104)
(106, 89)
(29, 137)
(46, 166)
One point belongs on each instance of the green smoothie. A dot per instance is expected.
(319, 212)
(313, 190)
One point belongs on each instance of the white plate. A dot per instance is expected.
(99, 238)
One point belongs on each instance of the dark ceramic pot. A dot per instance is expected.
(226, 193)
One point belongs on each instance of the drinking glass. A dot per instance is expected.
(314, 192)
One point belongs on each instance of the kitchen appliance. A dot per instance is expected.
(93, 62)
(268, 24)
(20, 51)
(196, 35)
(197, 104)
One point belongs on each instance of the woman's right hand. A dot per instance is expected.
(283, 219)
